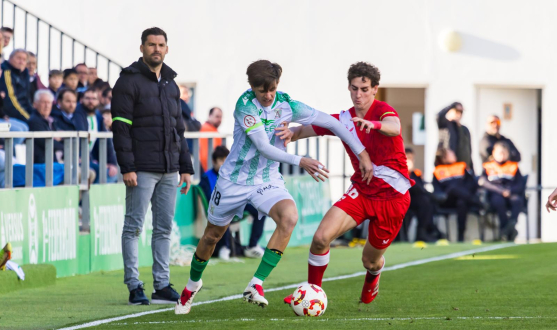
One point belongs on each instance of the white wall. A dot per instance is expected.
(505, 43)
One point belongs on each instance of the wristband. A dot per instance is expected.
(376, 125)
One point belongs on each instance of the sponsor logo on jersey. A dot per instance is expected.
(385, 241)
(245, 99)
(249, 121)
(261, 190)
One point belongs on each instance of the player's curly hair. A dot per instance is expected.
(263, 73)
(364, 70)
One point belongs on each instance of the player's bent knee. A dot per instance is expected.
(320, 242)
(287, 222)
(373, 265)
(211, 238)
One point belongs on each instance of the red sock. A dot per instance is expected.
(371, 285)
(317, 263)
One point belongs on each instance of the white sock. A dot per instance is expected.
(377, 272)
(255, 281)
(193, 285)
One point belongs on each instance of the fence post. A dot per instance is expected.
(9, 163)
(210, 155)
(49, 160)
(102, 160)
(196, 158)
(29, 162)
(75, 159)
(85, 224)
(68, 161)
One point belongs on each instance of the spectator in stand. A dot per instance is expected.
(95, 122)
(455, 136)
(71, 80)
(42, 121)
(453, 179)
(93, 79)
(34, 79)
(14, 84)
(82, 77)
(422, 203)
(106, 99)
(7, 34)
(211, 125)
(55, 79)
(505, 185)
(493, 136)
(100, 87)
(207, 184)
(107, 118)
(66, 117)
(192, 124)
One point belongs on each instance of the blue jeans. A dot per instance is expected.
(17, 126)
(2, 167)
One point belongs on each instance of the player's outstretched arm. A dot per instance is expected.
(292, 134)
(261, 142)
(389, 126)
(552, 202)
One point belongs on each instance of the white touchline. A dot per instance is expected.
(292, 286)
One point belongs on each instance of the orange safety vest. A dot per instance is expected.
(418, 173)
(449, 172)
(496, 171)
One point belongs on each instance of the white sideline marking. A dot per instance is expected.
(303, 319)
(292, 286)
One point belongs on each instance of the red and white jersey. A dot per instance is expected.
(390, 177)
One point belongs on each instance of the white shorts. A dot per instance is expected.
(229, 199)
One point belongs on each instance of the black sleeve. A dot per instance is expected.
(123, 99)
(485, 149)
(437, 188)
(517, 185)
(205, 186)
(186, 165)
(514, 153)
(442, 121)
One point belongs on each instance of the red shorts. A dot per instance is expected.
(385, 217)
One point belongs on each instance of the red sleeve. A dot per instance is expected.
(386, 111)
(323, 131)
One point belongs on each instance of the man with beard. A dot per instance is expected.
(95, 123)
(151, 151)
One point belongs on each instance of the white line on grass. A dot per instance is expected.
(292, 286)
(303, 319)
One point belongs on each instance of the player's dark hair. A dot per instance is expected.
(409, 151)
(364, 70)
(154, 31)
(63, 92)
(220, 152)
(263, 73)
(213, 110)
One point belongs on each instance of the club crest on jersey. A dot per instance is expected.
(249, 121)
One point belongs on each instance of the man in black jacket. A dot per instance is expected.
(455, 136)
(150, 149)
(493, 136)
(41, 121)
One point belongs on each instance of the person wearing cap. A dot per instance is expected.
(492, 136)
(455, 136)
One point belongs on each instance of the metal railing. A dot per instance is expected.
(54, 48)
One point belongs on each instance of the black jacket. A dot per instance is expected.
(63, 123)
(15, 84)
(147, 122)
(487, 143)
(449, 137)
(38, 124)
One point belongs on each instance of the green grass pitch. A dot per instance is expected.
(509, 288)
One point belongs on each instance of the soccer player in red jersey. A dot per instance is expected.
(384, 201)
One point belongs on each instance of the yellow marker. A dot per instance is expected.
(477, 242)
(488, 257)
(442, 242)
(419, 244)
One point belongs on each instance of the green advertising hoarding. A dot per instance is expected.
(313, 200)
(42, 224)
(108, 209)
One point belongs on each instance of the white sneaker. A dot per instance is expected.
(183, 306)
(254, 252)
(224, 253)
(254, 294)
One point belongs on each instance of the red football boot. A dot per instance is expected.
(371, 288)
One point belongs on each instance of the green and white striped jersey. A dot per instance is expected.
(245, 165)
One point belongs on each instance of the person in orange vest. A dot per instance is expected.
(422, 203)
(504, 183)
(211, 125)
(454, 179)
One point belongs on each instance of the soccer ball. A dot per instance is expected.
(309, 300)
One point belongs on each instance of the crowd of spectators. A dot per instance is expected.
(500, 189)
